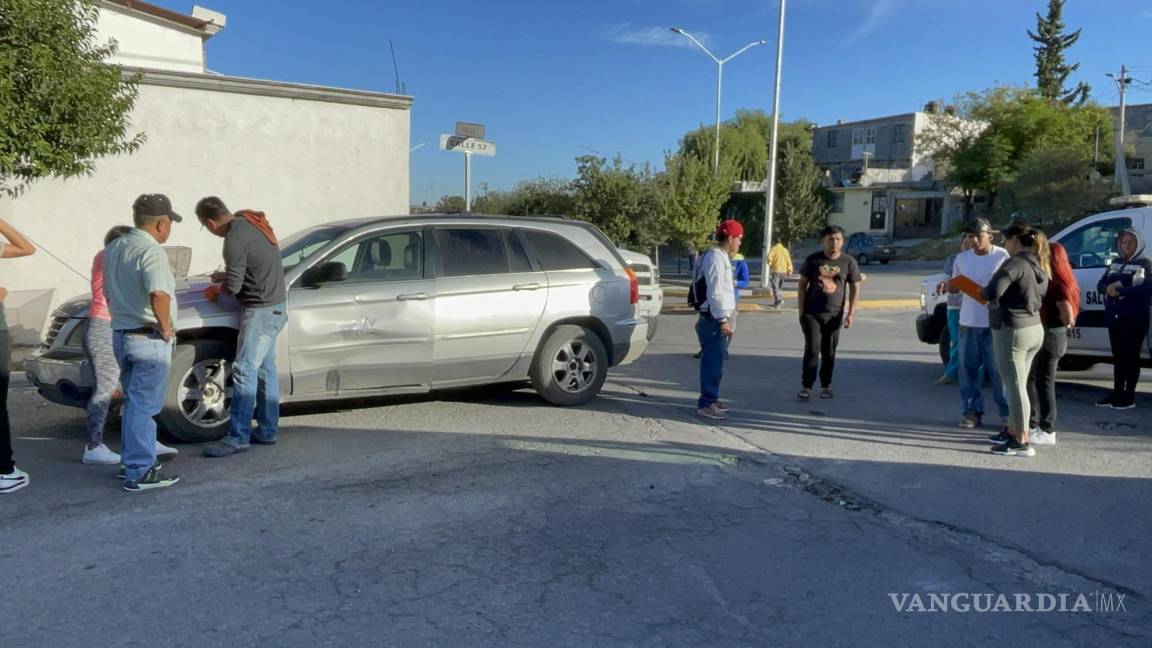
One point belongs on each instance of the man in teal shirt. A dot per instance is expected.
(141, 294)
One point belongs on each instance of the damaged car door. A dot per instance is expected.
(361, 319)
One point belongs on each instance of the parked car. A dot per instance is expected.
(399, 305)
(1091, 246)
(868, 248)
(651, 294)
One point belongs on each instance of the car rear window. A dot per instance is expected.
(554, 252)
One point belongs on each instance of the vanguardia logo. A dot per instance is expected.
(1096, 602)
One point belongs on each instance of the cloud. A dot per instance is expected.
(627, 33)
(879, 14)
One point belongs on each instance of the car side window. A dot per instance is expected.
(472, 251)
(1094, 245)
(517, 256)
(394, 256)
(554, 252)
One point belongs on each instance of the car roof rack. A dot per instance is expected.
(1131, 201)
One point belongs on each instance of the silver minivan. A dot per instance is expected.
(399, 305)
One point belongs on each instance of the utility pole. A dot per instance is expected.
(1121, 159)
(770, 190)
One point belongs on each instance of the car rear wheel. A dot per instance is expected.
(885, 261)
(652, 327)
(862, 259)
(571, 366)
(199, 391)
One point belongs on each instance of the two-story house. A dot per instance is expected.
(879, 182)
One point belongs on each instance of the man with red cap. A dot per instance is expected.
(714, 296)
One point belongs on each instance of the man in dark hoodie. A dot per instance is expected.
(1127, 287)
(1014, 294)
(254, 273)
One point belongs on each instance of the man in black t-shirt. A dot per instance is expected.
(826, 278)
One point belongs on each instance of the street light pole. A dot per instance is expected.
(770, 190)
(719, 85)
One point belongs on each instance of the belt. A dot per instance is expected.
(143, 330)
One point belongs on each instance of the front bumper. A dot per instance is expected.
(61, 377)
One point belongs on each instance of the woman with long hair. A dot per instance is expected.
(1058, 313)
(12, 244)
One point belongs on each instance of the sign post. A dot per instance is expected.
(468, 140)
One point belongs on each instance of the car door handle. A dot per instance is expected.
(420, 296)
(527, 286)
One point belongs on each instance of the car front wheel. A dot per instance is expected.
(199, 391)
(571, 366)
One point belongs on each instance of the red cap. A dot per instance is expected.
(730, 228)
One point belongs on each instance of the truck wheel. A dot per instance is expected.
(945, 345)
(885, 261)
(1077, 363)
(652, 327)
(570, 367)
(199, 391)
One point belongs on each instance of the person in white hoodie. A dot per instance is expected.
(713, 293)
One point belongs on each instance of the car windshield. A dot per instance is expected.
(301, 245)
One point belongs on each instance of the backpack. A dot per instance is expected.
(698, 289)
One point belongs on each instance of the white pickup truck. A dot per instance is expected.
(1091, 246)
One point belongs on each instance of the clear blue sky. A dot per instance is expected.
(552, 80)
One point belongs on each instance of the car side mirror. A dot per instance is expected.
(325, 273)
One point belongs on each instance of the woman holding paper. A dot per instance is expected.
(1015, 294)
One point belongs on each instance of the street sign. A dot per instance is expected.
(465, 129)
(467, 145)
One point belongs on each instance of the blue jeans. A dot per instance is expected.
(976, 354)
(952, 369)
(712, 343)
(144, 362)
(255, 383)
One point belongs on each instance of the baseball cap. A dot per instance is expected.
(730, 228)
(1016, 228)
(977, 225)
(155, 204)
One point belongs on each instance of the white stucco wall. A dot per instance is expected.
(301, 161)
(147, 43)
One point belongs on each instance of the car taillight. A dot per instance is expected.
(634, 285)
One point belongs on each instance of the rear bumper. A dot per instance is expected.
(631, 350)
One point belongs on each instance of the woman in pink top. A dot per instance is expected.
(98, 347)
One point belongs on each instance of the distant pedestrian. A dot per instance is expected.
(254, 273)
(780, 267)
(977, 359)
(1058, 313)
(955, 300)
(141, 294)
(713, 292)
(827, 297)
(1015, 294)
(12, 478)
(1127, 286)
(98, 347)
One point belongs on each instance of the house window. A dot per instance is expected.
(1136, 164)
(870, 135)
(833, 136)
(898, 134)
(836, 203)
(857, 136)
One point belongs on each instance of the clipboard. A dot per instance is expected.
(968, 287)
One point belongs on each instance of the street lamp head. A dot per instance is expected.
(677, 30)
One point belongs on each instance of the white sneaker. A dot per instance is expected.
(13, 481)
(162, 450)
(100, 455)
(1040, 437)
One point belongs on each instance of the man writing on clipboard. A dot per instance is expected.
(970, 273)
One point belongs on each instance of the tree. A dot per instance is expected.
(801, 204)
(692, 198)
(1055, 185)
(545, 197)
(609, 196)
(61, 106)
(1051, 69)
(744, 141)
(449, 205)
(981, 146)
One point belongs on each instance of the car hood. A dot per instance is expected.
(192, 309)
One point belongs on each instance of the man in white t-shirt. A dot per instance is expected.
(975, 350)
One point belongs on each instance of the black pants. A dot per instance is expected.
(1042, 379)
(821, 335)
(1126, 334)
(6, 465)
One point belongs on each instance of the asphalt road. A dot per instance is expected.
(486, 518)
